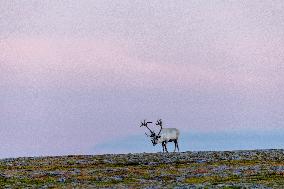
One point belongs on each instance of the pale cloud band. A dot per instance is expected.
(48, 62)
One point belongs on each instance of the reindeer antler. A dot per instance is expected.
(144, 124)
(159, 123)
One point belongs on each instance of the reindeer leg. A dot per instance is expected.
(163, 146)
(175, 141)
(177, 146)
(166, 147)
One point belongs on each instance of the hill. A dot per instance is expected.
(213, 169)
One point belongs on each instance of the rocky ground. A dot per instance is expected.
(228, 169)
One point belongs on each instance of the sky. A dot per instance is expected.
(78, 77)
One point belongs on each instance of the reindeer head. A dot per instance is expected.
(154, 137)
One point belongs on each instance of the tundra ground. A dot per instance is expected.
(210, 169)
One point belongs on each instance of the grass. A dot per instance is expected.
(121, 171)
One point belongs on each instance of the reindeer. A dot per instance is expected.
(164, 136)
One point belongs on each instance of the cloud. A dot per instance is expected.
(90, 63)
(45, 62)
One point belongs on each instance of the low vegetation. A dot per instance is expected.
(229, 169)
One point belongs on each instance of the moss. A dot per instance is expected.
(200, 180)
(232, 187)
(172, 171)
(33, 173)
(25, 181)
(259, 178)
(112, 183)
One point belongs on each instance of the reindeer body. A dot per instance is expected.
(168, 135)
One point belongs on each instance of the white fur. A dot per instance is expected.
(168, 134)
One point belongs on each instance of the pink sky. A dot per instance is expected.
(78, 74)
